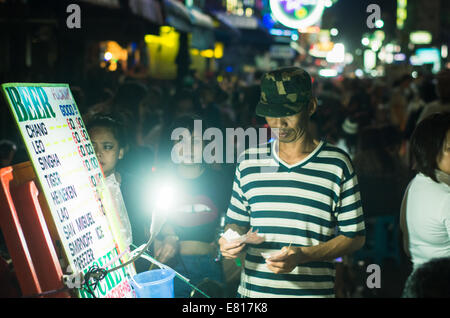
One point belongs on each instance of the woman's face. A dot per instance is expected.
(444, 157)
(107, 148)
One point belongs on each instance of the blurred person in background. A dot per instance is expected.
(443, 103)
(399, 100)
(380, 103)
(426, 94)
(358, 109)
(8, 150)
(381, 175)
(430, 280)
(246, 99)
(211, 97)
(80, 98)
(150, 114)
(328, 117)
(425, 213)
(129, 107)
(127, 101)
(98, 90)
(185, 102)
(348, 136)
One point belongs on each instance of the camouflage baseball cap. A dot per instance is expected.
(284, 92)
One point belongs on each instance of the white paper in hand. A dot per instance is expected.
(249, 238)
(233, 236)
(268, 255)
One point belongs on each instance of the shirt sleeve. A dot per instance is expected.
(238, 207)
(349, 212)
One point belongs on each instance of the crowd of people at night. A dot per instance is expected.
(391, 134)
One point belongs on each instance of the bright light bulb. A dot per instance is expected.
(444, 51)
(337, 54)
(160, 197)
(379, 24)
(328, 73)
(165, 197)
(108, 56)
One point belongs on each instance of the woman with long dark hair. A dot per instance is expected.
(425, 214)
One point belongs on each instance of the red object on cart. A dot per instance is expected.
(26, 232)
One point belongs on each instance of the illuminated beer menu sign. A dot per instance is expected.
(71, 179)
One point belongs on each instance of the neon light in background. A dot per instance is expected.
(399, 57)
(359, 73)
(337, 54)
(421, 37)
(428, 56)
(297, 14)
(444, 51)
(402, 13)
(327, 72)
(334, 32)
(370, 60)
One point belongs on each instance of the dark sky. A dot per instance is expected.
(350, 18)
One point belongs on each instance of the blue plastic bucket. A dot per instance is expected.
(156, 283)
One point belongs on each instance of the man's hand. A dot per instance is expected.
(291, 257)
(230, 250)
(286, 261)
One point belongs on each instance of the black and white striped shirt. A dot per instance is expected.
(305, 204)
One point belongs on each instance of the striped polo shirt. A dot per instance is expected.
(305, 204)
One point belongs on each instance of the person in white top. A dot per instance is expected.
(425, 213)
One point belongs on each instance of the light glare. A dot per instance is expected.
(108, 56)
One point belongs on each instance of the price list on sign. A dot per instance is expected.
(71, 180)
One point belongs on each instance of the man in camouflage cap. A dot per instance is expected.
(287, 104)
(298, 206)
(284, 92)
